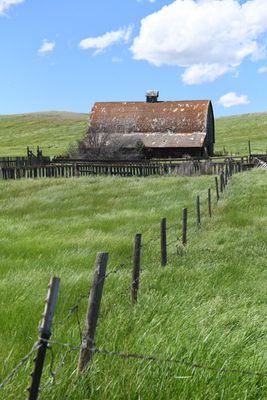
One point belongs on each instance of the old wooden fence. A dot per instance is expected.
(76, 169)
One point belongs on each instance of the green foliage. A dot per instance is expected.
(207, 306)
(52, 131)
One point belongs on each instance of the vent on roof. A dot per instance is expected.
(152, 96)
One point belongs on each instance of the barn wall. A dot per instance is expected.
(170, 152)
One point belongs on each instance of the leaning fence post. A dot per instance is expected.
(209, 201)
(136, 267)
(87, 345)
(184, 226)
(45, 333)
(198, 210)
(163, 242)
(217, 188)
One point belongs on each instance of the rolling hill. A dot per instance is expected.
(56, 132)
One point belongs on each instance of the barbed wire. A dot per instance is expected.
(54, 371)
(180, 362)
(22, 361)
(160, 359)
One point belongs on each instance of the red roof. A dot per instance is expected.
(160, 124)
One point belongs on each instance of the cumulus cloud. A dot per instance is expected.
(46, 47)
(5, 4)
(100, 43)
(232, 99)
(199, 73)
(206, 37)
(262, 70)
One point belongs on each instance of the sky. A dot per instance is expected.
(64, 55)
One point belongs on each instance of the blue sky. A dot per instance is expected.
(64, 55)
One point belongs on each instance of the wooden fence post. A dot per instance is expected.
(221, 182)
(163, 242)
(217, 188)
(87, 345)
(249, 150)
(209, 201)
(45, 333)
(226, 177)
(184, 226)
(136, 267)
(198, 210)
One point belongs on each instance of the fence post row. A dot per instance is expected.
(87, 345)
(45, 333)
(184, 226)
(67, 168)
(136, 267)
(163, 242)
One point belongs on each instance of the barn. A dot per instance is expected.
(164, 128)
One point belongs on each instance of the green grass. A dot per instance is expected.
(54, 132)
(234, 132)
(207, 306)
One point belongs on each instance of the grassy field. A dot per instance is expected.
(234, 132)
(208, 306)
(55, 132)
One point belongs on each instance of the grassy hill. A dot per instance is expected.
(208, 306)
(56, 131)
(234, 132)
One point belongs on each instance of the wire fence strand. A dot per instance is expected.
(22, 361)
(162, 359)
(180, 362)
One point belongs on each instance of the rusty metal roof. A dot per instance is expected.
(160, 124)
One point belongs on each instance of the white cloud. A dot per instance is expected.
(150, 1)
(5, 4)
(102, 42)
(199, 73)
(262, 70)
(206, 37)
(46, 47)
(232, 99)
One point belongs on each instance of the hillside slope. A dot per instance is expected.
(52, 131)
(207, 307)
(234, 132)
(56, 131)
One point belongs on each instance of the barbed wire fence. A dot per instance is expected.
(54, 368)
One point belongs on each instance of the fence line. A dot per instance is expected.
(77, 169)
(162, 359)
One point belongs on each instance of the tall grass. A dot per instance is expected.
(208, 306)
